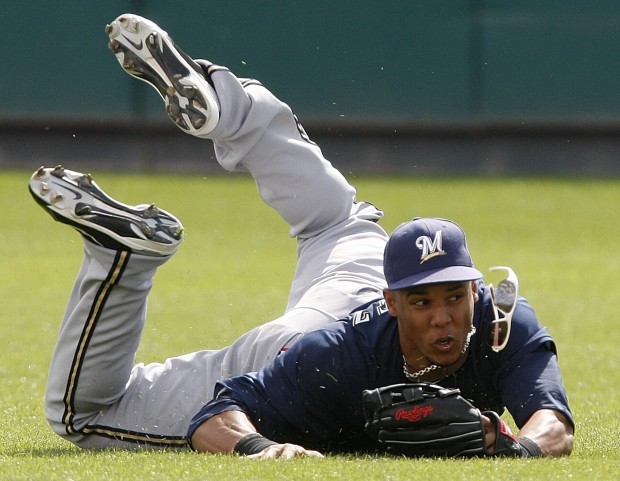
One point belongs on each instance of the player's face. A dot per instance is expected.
(433, 321)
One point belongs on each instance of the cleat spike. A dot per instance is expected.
(146, 230)
(45, 188)
(58, 171)
(40, 172)
(190, 93)
(176, 231)
(57, 197)
(151, 211)
(85, 180)
(135, 26)
(83, 210)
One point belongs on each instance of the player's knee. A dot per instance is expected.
(62, 421)
(78, 438)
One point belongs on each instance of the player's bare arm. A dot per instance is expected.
(223, 432)
(551, 431)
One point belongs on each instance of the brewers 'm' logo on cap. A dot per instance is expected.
(430, 247)
(427, 250)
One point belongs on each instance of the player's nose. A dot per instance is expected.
(441, 317)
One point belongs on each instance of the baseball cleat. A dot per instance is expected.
(147, 52)
(76, 200)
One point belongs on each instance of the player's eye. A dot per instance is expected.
(456, 297)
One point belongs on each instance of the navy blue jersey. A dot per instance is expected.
(311, 395)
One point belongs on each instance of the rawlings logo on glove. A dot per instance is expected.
(413, 415)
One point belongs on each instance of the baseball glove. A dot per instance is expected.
(423, 419)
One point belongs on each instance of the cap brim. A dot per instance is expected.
(437, 276)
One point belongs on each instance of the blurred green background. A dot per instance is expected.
(398, 61)
(425, 86)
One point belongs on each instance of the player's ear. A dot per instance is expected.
(389, 300)
(474, 288)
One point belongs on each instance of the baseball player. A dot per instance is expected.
(437, 322)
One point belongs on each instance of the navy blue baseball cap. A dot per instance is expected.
(427, 251)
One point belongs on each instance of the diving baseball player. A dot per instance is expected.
(441, 326)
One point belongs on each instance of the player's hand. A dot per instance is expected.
(489, 433)
(284, 451)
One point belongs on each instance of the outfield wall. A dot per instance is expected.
(493, 83)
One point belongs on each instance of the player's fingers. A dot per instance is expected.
(271, 452)
(489, 433)
(311, 454)
(293, 451)
(285, 451)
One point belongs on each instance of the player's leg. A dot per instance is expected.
(95, 396)
(251, 129)
(340, 244)
(99, 400)
(255, 131)
(95, 352)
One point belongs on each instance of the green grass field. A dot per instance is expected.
(562, 237)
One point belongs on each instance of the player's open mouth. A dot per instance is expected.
(444, 344)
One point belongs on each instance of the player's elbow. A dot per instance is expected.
(562, 446)
(566, 436)
(560, 437)
(565, 445)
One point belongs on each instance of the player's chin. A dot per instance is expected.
(446, 353)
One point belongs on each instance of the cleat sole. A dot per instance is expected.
(75, 199)
(147, 53)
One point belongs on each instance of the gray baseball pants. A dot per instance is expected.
(97, 396)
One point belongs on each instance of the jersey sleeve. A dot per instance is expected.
(305, 396)
(528, 375)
